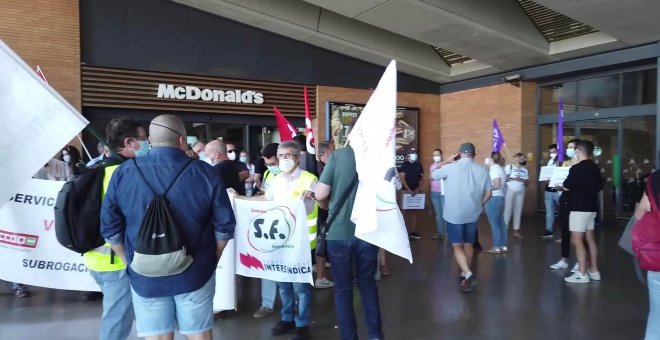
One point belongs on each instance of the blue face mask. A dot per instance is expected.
(274, 169)
(144, 148)
(570, 153)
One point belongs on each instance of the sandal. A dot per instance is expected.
(518, 235)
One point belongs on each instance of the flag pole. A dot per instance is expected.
(506, 149)
(84, 147)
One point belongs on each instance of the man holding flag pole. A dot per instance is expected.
(359, 182)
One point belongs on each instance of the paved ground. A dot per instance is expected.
(518, 297)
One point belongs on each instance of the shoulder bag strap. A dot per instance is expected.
(343, 199)
(177, 177)
(650, 195)
(143, 178)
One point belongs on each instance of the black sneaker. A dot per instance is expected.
(468, 285)
(547, 235)
(282, 328)
(415, 236)
(302, 333)
(21, 292)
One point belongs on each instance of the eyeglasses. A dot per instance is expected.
(231, 151)
(141, 138)
(286, 156)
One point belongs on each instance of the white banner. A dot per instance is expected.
(29, 251)
(31, 110)
(376, 214)
(225, 280)
(272, 240)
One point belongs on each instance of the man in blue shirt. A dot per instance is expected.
(202, 208)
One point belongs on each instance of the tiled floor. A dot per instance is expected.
(518, 297)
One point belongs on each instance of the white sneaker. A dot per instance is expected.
(576, 267)
(578, 277)
(561, 264)
(323, 283)
(595, 276)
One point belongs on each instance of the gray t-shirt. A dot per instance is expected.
(465, 185)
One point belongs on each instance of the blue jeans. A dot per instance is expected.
(495, 214)
(117, 319)
(303, 296)
(653, 322)
(343, 254)
(438, 201)
(551, 203)
(268, 293)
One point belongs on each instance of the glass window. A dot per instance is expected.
(597, 93)
(639, 87)
(551, 94)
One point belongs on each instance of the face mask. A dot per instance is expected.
(202, 156)
(231, 155)
(488, 161)
(287, 165)
(244, 159)
(66, 158)
(523, 162)
(437, 159)
(144, 148)
(598, 151)
(413, 157)
(570, 152)
(274, 169)
(207, 160)
(553, 155)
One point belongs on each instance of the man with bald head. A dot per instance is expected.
(216, 151)
(203, 214)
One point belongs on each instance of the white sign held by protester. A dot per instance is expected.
(225, 274)
(31, 110)
(272, 240)
(376, 214)
(29, 251)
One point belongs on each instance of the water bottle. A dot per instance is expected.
(248, 189)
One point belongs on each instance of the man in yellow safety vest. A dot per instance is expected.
(296, 183)
(127, 137)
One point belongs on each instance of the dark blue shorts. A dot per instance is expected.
(461, 233)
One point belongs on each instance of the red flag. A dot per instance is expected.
(287, 131)
(41, 74)
(311, 145)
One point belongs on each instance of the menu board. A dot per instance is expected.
(340, 118)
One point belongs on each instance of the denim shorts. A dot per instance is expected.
(461, 233)
(190, 313)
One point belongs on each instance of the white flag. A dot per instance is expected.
(375, 212)
(31, 112)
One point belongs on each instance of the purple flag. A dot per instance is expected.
(498, 138)
(560, 133)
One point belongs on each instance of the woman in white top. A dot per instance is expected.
(495, 206)
(518, 179)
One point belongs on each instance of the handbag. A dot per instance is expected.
(646, 235)
(322, 242)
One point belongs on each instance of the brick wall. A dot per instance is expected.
(467, 116)
(429, 114)
(46, 33)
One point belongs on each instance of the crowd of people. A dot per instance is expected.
(141, 162)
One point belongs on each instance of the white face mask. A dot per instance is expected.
(66, 158)
(287, 165)
(231, 155)
(489, 161)
(413, 157)
(553, 155)
(437, 159)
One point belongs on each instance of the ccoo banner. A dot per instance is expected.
(29, 251)
(272, 240)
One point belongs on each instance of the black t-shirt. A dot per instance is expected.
(260, 166)
(414, 172)
(584, 182)
(229, 175)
